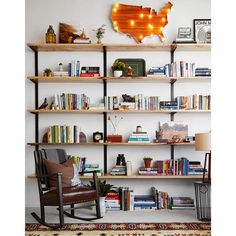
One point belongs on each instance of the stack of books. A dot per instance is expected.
(82, 40)
(126, 197)
(148, 171)
(182, 203)
(139, 137)
(90, 71)
(162, 199)
(118, 170)
(203, 71)
(195, 168)
(92, 167)
(164, 167)
(60, 73)
(74, 68)
(168, 105)
(112, 202)
(156, 71)
(144, 202)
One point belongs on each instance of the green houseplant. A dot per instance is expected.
(147, 162)
(118, 68)
(103, 190)
(47, 72)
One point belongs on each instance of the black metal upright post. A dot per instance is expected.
(172, 147)
(104, 113)
(36, 71)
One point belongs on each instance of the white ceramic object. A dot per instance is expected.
(102, 205)
(118, 73)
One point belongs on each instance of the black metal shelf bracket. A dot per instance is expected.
(36, 91)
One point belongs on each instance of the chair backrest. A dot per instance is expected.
(56, 155)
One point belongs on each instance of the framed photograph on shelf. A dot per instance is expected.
(202, 30)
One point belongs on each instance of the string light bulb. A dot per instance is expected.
(117, 5)
(141, 15)
(140, 36)
(132, 22)
(114, 9)
(114, 22)
(163, 19)
(150, 16)
(116, 28)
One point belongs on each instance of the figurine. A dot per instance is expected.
(60, 67)
(128, 98)
(44, 104)
(129, 71)
(83, 35)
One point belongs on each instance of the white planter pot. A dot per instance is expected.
(118, 73)
(102, 205)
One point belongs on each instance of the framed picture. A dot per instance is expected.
(202, 30)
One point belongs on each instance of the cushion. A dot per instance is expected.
(65, 168)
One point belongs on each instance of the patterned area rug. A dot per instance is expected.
(122, 229)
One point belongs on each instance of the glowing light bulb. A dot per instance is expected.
(161, 28)
(162, 39)
(141, 15)
(168, 10)
(114, 22)
(150, 26)
(131, 22)
(151, 35)
(163, 19)
(140, 36)
(117, 5)
(150, 16)
(114, 10)
(116, 28)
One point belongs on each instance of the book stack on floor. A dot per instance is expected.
(156, 71)
(92, 167)
(118, 170)
(90, 71)
(126, 197)
(148, 171)
(139, 137)
(112, 202)
(195, 168)
(162, 199)
(182, 203)
(144, 202)
(203, 71)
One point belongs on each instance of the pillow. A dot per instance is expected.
(65, 168)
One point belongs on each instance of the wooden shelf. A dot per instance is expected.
(193, 47)
(57, 47)
(136, 176)
(112, 47)
(64, 79)
(112, 144)
(35, 111)
(141, 79)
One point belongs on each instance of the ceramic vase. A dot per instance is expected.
(118, 73)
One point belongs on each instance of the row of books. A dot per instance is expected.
(179, 167)
(74, 68)
(63, 134)
(162, 199)
(139, 102)
(79, 162)
(71, 101)
(195, 102)
(139, 137)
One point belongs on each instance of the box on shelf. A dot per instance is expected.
(114, 138)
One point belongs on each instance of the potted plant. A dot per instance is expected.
(100, 33)
(47, 72)
(118, 68)
(147, 162)
(103, 190)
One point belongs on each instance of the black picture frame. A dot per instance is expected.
(194, 28)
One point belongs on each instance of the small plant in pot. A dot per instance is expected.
(118, 68)
(147, 162)
(103, 190)
(47, 72)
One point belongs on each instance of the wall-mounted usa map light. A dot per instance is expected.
(139, 22)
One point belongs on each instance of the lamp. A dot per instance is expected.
(203, 143)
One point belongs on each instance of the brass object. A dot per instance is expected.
(50, 35)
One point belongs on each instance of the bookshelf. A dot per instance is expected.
(104, 48)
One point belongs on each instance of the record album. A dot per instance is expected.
(202, 31)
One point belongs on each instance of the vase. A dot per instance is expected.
(99, 41)
(118, 73)
(147, 163)
(102, 205)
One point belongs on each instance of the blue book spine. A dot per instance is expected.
(77, 68)
(69, 69)
(138, 139)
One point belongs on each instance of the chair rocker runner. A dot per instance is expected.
(59, 195)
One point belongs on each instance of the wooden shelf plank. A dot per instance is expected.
(136, 176)
(57, 47)
(65, 79)
(193, 47)
(66, 111)
(35, 111)
(112, 144)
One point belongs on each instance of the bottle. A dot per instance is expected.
(50, 35)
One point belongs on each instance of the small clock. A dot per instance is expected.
(97, 136)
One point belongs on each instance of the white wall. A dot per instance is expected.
(91, 14)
